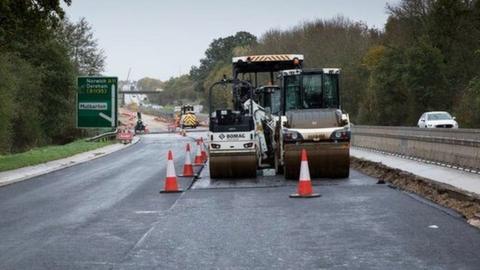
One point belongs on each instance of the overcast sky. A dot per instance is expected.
(160, 39)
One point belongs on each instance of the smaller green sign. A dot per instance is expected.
(97, 102)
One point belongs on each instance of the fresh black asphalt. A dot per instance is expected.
(108, 214)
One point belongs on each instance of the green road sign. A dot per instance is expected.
(97, 102)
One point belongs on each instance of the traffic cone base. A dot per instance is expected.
(313, 195)
(171, 186)
(171, 191)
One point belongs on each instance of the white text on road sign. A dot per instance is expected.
(93, 106)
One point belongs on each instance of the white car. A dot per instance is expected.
(437, 120)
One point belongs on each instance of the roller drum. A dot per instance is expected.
(233, 165)
(325, 160)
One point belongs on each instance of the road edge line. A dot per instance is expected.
(68, 164)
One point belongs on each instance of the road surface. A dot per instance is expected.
(108, 214)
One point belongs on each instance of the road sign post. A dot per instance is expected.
(97, 102)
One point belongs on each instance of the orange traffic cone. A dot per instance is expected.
(198, 157)
(204, 152)
(187, 167)
(171, 185)
(304, 184)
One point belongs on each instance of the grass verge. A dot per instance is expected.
(48, 153)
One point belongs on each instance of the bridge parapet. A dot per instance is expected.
(458, 148)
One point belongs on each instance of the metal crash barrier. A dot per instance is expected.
(449, 147)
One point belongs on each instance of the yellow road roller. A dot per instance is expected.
(188, 117)
(311, 119)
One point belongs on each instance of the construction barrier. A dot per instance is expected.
(124, 136)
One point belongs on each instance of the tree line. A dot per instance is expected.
(41, 54)
(174, 91)
(426, 58)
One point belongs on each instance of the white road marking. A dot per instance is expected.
(147, 212)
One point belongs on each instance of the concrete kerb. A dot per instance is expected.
(25, 173)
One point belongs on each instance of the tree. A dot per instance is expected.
(337, 42)
(451, 26)
(58, 93)
(405, 82)
(176, 90)
(26, 21)
(82, 47)
(220, 49)
(368, 112)
(221, 97)
(149, 84)
(7, 89)
(37, 90)
(467, 111)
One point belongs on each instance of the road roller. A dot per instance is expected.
(188, 117)
(278, 109)
(311, 119)
(232, 148)
(262, 71)
(241, 138)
